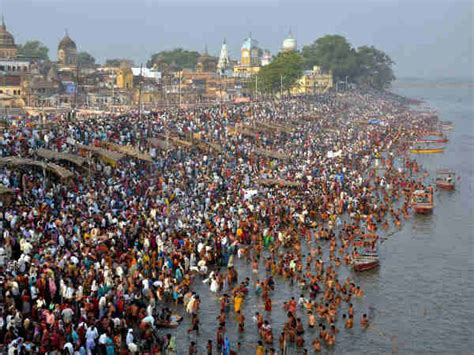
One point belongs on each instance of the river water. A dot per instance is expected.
(421, 299)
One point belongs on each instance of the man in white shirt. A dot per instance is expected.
(91, 335)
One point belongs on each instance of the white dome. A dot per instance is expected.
(289, 45)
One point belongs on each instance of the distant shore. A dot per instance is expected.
(436, 82)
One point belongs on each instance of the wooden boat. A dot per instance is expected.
(436, 134)
(366, 261)
(423, 201)
(445, 179)
(447, 125)
(435, 140)
(420, 150)
(367, 257)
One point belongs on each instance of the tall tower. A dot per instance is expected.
(8, 47)
(250, 53)
(224, 61)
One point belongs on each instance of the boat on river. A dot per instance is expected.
(423, 201)
(446, 179)
(435, 133)
(447, 125)
(366, 261)
(366, 257)
(426, 150)
(432, 140)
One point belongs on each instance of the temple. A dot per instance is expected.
(67, 52)
(289, 44)
(223, 64)
(8, 48)
(250, 58)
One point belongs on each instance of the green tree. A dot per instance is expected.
(374, 68)
(180, 57)
(85, 59)
(33, 49)
(332, 52)
(281, 73)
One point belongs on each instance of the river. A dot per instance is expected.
(421, 299)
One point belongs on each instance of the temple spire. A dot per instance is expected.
(224, 61)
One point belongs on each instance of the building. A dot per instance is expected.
(101, 99)
(38, 91)
(8, 48)
(67, 52)
(204, 86)
(289, 44)
(12, 66)
(149, 96)
(10, 85)
(53, 75)
(206, 63)
(250, 58)
(313, 82)
(10, 92)
(146, 83)
(10, 105)
(12, 71)
(224, 64)
(149, 75)
(250, 53)
(107, 77)
(124, 77)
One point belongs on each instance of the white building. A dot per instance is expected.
(223, 64)
(289, 44)
(147, 73)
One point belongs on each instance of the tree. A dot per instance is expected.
(332, 52)
(368, 66)
(282, 72)
(84, 59)
(180, 57)
(33, 49)
(374, 68)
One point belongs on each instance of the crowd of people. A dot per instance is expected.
(104, 262)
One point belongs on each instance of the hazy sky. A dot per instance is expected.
(426, 38)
